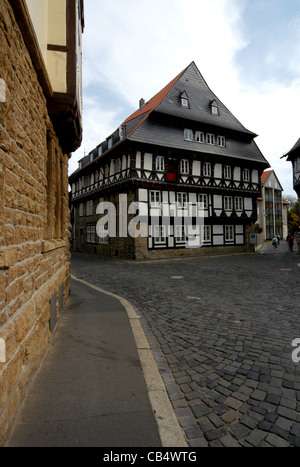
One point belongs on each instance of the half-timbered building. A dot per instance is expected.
(181, 148)
(294, 157)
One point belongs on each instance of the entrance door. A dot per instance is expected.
(172, 171)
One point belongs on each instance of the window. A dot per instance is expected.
(103, 234)
(207, 169)
(81, 210)
(214, 108)
(227, 172)
(185, 166)
(160, 234)
(203, 200)
(110, 143)
(155, 198)
(182, 199)
(86, 181)
(160, 163)
(238, 204)
(180, 233)
(188, 135)
(246, 175)
(229, 233)
(210, 139)
(184, 100)
(228, 203)
(221, 141)
(206, 233)
(89, 208)
(118, 165)
(91, 234)
(199, 137)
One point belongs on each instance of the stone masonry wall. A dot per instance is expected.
(34, 221)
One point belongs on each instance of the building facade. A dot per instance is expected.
(294, 157)
(40, 124)
(272, 208)
(181, 160)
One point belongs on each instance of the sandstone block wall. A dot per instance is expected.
(34, 221)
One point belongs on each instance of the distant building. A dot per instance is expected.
(272, 209)
(40, 125)
(181, 148)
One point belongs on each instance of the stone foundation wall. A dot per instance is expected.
(141, 252)
(34, 221)
(116, 247)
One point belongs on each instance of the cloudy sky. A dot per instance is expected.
(248, 51)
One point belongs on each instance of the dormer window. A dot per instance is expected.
(184, 100)
(215, 108)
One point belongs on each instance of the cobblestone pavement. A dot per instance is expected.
(221, 331)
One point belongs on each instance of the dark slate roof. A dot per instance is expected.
(200, 100)
(168, 101)
(290, 154)
(139, 126)
(149, 132)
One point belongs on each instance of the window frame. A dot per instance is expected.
(182, 237)
(221, 140)
(185, 166)
(182, 199)
(200, 137)
(227, 172)
(228, 203)
(239, 203)
(210, 139)
(156, 203)
(91, 234)
(206, 233)
(188, 134)
(215, 109)
(246, 175)
(205, 200)
(229, 233)
(207, 169)
(103, 240)
(161, 237)
(89, 208)
(160, 163)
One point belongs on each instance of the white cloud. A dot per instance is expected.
(132, 49)
(272, 111)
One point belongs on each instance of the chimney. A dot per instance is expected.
(142, 103)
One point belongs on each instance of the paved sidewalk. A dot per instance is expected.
(90, 390)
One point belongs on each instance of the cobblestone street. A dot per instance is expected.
(221, 331)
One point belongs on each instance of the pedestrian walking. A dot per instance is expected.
(290, 240)
(275, 242)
